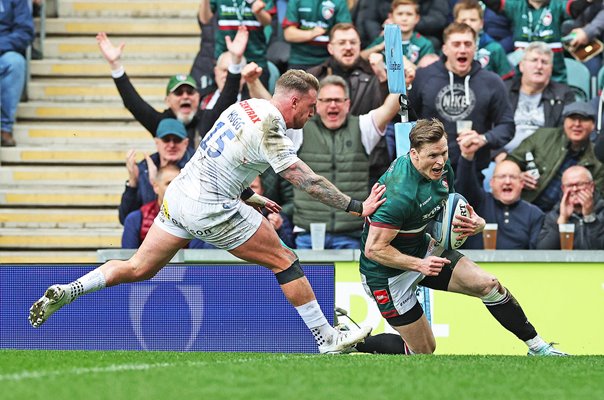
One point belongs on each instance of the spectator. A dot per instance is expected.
(234, 14)
(518, 221)
(587, 27)
(370, 18)
(367, 90)
(554, 151)
(581, 205)
(540, 20)
(306, 26)
(498, 26)
(490, 54)
(182, 97)
(16, 33)
(458, 88)
(202, 69)
(171, 142)
(337, 144)
(138, 222)
(279, 221)
(537, 101)
(405, 14)
(211, 96)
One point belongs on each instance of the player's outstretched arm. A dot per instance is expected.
(304, 178)
(379, 249)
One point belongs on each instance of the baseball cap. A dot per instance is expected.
(579, 108)
(178, 80)
(170, 126)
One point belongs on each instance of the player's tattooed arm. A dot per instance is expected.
(304, 178)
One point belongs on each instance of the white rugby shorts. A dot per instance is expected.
(226, 225)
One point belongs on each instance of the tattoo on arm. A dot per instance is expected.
(302, 177)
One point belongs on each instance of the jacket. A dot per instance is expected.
(16, 26)
(588, 236)
(366, 93)
(549, 147)
(554, 97)
(143, 193)
(340, 157)
(518, 224)
(480, 96)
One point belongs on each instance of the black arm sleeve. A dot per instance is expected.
(228, 96)
(142, 111)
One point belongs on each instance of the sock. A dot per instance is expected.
(536, 343)
(384, 343)
(506, 310)
(315, 320)
(91, 282)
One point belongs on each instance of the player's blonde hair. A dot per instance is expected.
(426, 131)
(296, 80)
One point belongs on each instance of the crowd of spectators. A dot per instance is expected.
(496, 65)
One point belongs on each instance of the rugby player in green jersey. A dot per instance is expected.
(397, 253)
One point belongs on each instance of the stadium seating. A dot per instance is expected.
(600, 80)
(578, 78)
(61, 185)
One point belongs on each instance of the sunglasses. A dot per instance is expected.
(172, 138)
(179, 91)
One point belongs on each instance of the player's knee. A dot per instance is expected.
(293, 272)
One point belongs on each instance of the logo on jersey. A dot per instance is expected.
(483, 56)
(444, 181)
(381, 296)
(249, 111)
(328, 9)
(547, 18)
(413, 53)
(452, 104)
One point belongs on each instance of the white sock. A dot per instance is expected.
(315, 320)
(536, 343)
(91, 282)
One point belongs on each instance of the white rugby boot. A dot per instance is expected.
(344, 341)
(547, 350)
(54, 298)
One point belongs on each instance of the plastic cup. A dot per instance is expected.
(567, 236)
(489, 236)
(463, 125)
(317, 236)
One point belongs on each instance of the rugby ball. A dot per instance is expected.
(443, 233)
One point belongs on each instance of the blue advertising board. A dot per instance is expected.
(183, 308)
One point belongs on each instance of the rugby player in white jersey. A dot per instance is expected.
(210, 200)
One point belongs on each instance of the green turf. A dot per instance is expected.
(168, 375)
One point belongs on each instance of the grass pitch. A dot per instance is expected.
(170, 375)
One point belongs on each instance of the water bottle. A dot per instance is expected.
(531, 167)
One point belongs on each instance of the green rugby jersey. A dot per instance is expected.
(543, 24)
(412, 202)
(414, 48)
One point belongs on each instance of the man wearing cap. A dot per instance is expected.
(182, 97)
(554, 151)
(172, 149)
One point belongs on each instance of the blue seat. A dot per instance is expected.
(600, 79)
(578, 79)
(274, 74)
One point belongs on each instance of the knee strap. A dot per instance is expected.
(290, 274)
(494, 297)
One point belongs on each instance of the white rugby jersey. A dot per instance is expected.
(247, 138)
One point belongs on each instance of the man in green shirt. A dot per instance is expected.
(397, 253)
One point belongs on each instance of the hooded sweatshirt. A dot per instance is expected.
(479, 96)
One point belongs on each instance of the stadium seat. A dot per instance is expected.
(600, 80)
(273, 76)
(578, 79)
